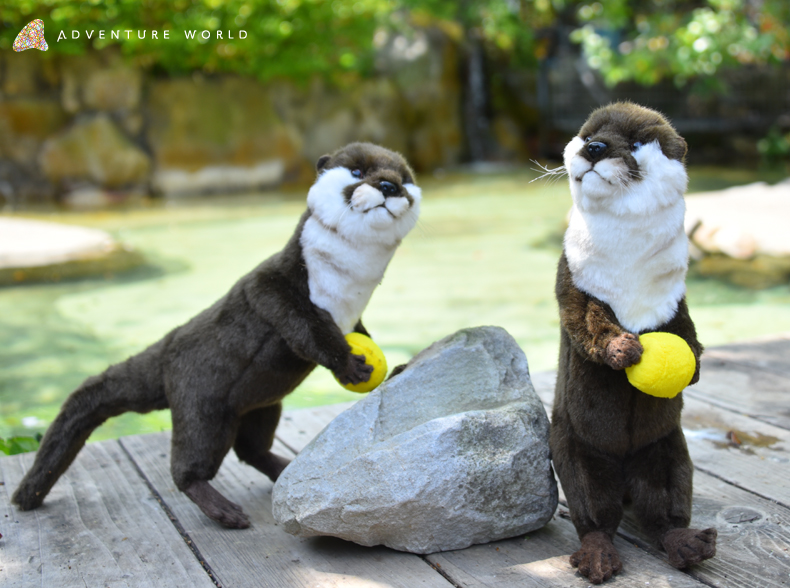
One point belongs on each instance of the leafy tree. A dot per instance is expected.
(647, 41)
(285, 38)
(641, 40)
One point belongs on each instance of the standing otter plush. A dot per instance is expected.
(622, 273)
(224, 373)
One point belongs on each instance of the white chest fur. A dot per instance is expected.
(341, 275)
(632, 252)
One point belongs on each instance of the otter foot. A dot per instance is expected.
(597, 559)
(623, 351)
(686, 547)
(29, 494)
(216, 507)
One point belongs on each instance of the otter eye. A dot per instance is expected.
(636, 145)
(587, 139)
(357, 173)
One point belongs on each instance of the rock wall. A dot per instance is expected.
(96, 128)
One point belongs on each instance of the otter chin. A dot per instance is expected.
(622, 273)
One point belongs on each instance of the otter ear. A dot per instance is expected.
(319, 165)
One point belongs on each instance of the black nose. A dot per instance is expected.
(388, 188)
(596, 148)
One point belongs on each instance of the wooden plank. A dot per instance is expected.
(756, 392)
(298, 427)
(100, 526)
(264, 555)
(544, 386)
(768, 353)
(754, 536)
(541, 560)
(760, 464)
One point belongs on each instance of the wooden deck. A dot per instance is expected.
(115, 519)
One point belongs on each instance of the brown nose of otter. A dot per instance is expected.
(596, 149)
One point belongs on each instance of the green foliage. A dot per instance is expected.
(775, 147)
(16, 445)
(641, 40)
(285, 38)
(506, 27)
(647, 41)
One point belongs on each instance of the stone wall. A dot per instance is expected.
(96, 128)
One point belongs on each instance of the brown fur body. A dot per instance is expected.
(608, 439)
(223, 374)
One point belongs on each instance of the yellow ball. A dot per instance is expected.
(363, 345)
(666, 367)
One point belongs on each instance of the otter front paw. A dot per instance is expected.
(597, 559)
(355, 370)
(396, 370)
(686, 547)
(623, 351)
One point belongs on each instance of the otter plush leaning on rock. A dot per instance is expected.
(622, 273)
(224, 373)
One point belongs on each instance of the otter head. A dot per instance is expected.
(626, 159)
(366, 193)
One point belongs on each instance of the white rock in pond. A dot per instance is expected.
(31, 243)
(451, 452)
(741, 221)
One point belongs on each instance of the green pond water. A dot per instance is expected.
(484, 253)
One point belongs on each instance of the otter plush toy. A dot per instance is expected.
(225, 372)
(622, 273)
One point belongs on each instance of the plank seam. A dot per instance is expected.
(748, 364)
(744, 488)
(701, 397)
(439, 570)
(173, 519)
(287, 445)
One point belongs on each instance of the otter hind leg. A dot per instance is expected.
(659, 478)
(121, 388)
(255, 439)
(199, 443)
(594, 488)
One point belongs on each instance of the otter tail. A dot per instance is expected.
(133, 385)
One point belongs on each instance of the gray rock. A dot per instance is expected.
(451, 452)
(96, 151)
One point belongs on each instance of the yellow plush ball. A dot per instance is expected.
(363, 345)
(666, 367)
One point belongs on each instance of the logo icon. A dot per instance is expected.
(31, 37)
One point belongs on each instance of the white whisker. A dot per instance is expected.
(348, 207)
(553, 174)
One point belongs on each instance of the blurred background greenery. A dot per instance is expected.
(194, 151)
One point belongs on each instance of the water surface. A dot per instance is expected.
(484, 253)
